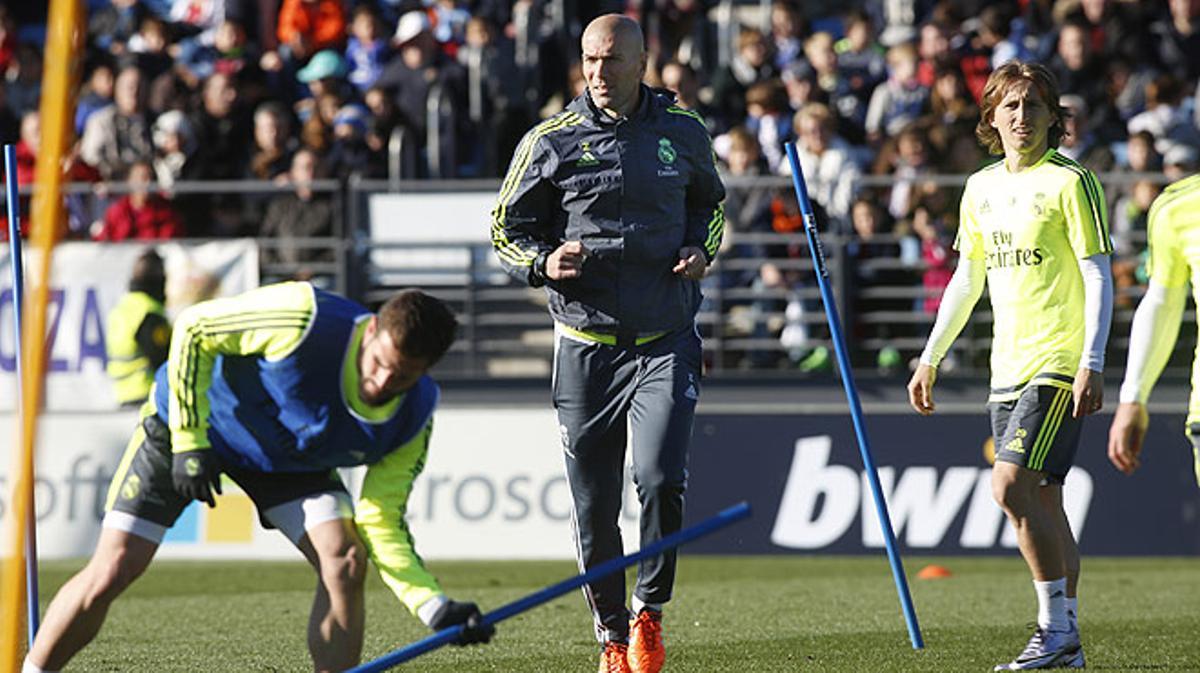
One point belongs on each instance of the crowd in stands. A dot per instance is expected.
(281, 90)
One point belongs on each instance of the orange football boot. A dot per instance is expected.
(646, 653)
(613, 658)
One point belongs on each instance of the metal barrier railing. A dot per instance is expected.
(748, 325)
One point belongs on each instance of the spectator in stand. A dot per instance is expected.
(1113, 27)
(860, 58)
(843, 100)
(788, 30)
(1125, 88)
(79, 206)
(874, 261)
(174, 147)
(751, 63)
(800, 83)
(1166, 117)
(1079, 143)
(995, 33)
(449, 25)
(325, 73)
(384, 119)
(1130, 222)
(317, 131)
(950, 104)
(769, 119)
(141, 214)
(899, 101)
(366, 50)
(779, 285)
(300, 214)
(828, 162)
(118, 135)
(681, 79)
(309, 26)
(677, 22)
(1077, 67)
(97, 93)
(421, 70)
(906, 158)
(1130, 216)
(223, 137)
(1176, 40)
(25, 79)
(229, 54)
(273, 143)
(497, 105)
(151, 49)
(933, 48)
(111, 25)
(1140, 155)
(937, 255)
(349, 154)
(747, 211)
(747, 208)
(26, 160)
(223, 132)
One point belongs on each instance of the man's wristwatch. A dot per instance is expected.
(539, 268)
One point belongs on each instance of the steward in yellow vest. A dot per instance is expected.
(138, 333)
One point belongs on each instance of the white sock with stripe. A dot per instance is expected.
(1052, 604)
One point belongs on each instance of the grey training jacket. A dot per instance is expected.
(634, 191)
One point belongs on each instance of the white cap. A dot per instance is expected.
(411, 25)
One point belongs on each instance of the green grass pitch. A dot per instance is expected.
(743, 614)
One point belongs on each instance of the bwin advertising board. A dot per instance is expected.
(804, 478)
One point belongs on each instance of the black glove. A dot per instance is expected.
(196, 474)
(454, 613)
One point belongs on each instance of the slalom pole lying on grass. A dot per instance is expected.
(449, 635)
(839, 344)
(18, 290)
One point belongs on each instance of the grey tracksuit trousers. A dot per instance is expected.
(598, 389)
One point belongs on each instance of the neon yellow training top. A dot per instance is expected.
(1031, 228)
(1174, 238)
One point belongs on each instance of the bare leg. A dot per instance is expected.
(335, 626)
(1038, 534)
(78, 610)
(1051, 497)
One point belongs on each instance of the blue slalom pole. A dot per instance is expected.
(18, 289)
(864, 446)
(451, 634)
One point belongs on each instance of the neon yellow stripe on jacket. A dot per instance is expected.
(505, 248)
(269, 321)
(716, 223)
(379, 516)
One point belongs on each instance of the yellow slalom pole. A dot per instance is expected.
(64, 40)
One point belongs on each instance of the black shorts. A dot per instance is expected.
(142, 486)
(1037, 431)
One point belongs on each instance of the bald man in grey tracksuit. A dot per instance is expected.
(618, 216)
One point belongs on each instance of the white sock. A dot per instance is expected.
(1052, 604)
(638, 605)
(29, 667)
(1073, 611)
